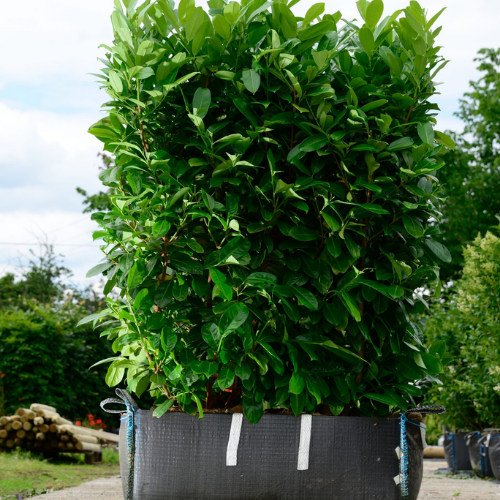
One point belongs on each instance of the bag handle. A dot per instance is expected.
(125, 398)
(431, 410)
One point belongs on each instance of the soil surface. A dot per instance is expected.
(438, 485)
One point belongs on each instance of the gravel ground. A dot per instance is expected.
(108, 488)
(437, 485)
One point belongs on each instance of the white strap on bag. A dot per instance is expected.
(423, 433)
(234, 440)
(305, 442)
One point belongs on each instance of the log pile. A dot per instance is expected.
(41, 429)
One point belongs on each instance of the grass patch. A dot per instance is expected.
(27, 474)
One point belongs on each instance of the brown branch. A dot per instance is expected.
(145, 145)
(344, 178)
(408, 116)
(167, 393)
(164, 387)
(135, 231)
(165, 260)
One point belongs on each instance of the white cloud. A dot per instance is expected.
(44, 157)
(55, 39)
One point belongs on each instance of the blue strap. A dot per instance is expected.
(405, 461)
(130, 417)
(453, 454)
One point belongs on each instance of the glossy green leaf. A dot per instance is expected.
(306, 297)
(160, 228)
(233, 318)
(222, 27)
(160, 410)
(201, 101)
(297, 384)
(232, 12)
(114, 376)
(374, 12)
(413, 226)
(439, 250)
(252, 410)
(400, 144)
(225, 378)
(367, 41)
(445, 140)
(251, 80)
(287, 21)
(304, 234)
(220, 280)
(211, 335)
(426, 133)
(99, 269)
(381, 398)
(297, 403)
(313, 143)
(314, 12)
(168, 339)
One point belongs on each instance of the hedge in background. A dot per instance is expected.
(275, 180)
(44, 358)
(468, 321)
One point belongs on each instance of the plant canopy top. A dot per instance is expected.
(276, 205)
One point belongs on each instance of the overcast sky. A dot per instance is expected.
(48, 101)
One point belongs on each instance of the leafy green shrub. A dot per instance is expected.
(46, 359)
(468, 321)
(274, 185)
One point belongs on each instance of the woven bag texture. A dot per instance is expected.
(478, 457)
(181, 457)
(494, 455)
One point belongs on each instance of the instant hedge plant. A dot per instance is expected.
(275, 205)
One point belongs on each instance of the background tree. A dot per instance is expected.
(42, 281)
(472, 171)
(468, 321)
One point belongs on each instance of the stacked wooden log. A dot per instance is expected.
(41, 428)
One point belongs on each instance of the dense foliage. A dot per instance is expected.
(43, 356)
(468, 321)
(276, 205)
(472, 170)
